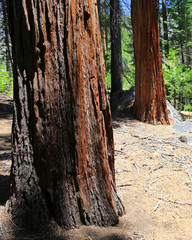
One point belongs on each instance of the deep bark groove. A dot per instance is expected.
(150, 101)
(63, 151)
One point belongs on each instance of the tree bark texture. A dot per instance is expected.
(63, 150)
(165, 27)
(116, 53)
(150, 102)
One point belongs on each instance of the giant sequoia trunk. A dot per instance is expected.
(63, 151)
(116, 54)
(150, 101)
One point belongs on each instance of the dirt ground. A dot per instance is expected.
(153, 177)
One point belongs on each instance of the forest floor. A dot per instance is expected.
(153, 177)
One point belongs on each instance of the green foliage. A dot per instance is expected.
(188, 108)
(178, 80)
(179, 27)
(127, 53)
(108, 80)
(6, 81)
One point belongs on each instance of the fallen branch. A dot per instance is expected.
(175, 202)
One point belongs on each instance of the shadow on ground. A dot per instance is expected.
(6, 109)
(4, 189)
(53, 232)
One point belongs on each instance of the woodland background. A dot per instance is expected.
(175, 27)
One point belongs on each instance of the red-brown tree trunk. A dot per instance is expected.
(63, 151)
(150, 101)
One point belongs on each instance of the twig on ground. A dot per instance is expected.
(135, 165)
(145, 137)
(164, 198)
(148, 186)
(166, 154)
(120, 151)
(155, 168)
(124, 185)
(155, 209)
(189, 175)
(175, 202)
(122, 170)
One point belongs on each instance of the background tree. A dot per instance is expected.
(116, 54)
(150, 101)
(63, 151)
(165, 27)
(5, 48)
(6, 36)
(177, 66)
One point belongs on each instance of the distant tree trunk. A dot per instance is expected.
(159, 22)
(188, 55)
(165, 27)
(116, 54)
(63, 151)
(6, 31)
(157, 7)
(104, 35)
(150, 102)
(180, 28)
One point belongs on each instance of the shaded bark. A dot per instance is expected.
(150, 101)
(63, 150)
(116, 53)
(99, 8)
(165, 27)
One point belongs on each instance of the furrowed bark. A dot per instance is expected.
(150, 101)
(63, 150)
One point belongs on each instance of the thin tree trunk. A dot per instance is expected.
(116, 53)
(159, 22)
(104, 34)
(188, 55)
(63, 150)
(150, 101)
(7, 43)
(165, 27)
(181, 42)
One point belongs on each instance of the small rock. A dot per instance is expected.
(182, 127)
(186, 139)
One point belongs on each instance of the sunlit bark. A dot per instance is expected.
(63, 150)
